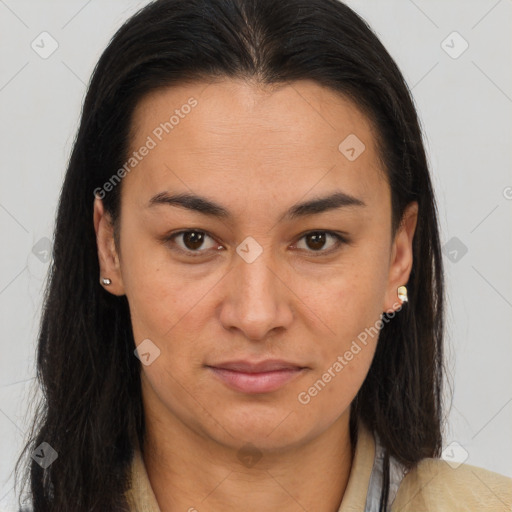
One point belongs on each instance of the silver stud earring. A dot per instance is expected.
(402, 293)
(106, 281)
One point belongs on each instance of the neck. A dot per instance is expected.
(191, 472)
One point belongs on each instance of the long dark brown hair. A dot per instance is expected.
(91, 408)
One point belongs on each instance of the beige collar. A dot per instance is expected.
(141, 497)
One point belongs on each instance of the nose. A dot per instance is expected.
(257, 300)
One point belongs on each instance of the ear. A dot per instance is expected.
(107, 254)
(400, 263)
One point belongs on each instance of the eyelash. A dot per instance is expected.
(340, 240)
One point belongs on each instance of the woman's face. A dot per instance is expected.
(257, 277)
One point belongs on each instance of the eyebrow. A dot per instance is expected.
(209, 208)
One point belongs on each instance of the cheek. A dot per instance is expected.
(348, 299)
(159, 294)
(332, 386)
(350, 305)
(167, 306)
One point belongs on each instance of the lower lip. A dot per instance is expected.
(264, 382)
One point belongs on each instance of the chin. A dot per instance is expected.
(266, 426)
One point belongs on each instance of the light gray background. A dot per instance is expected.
(465, 104)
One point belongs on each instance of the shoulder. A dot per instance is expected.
(435, 485)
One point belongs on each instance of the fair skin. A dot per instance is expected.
(256, 152)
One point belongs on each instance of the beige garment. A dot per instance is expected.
(432, 486)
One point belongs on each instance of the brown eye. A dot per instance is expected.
(316, 241)
(192, 241)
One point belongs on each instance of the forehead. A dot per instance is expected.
(235, 136)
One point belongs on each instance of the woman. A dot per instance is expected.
(245, 309)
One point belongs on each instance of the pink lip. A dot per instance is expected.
(262, 377)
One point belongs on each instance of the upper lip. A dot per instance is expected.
(267, 365)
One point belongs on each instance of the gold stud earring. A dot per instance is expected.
(402, 293)
(106, 281)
